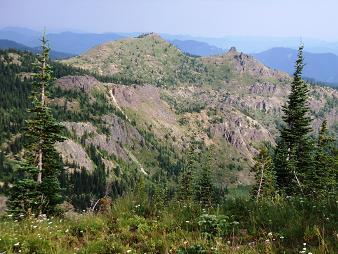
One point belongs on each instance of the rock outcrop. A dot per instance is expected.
(78, 83)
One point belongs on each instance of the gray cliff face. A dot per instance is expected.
(78, 83)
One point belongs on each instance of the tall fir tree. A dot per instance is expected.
(294, 153)
(324, 177)
(37, 189)
(185, 184)
(204, 189)
(265, 176)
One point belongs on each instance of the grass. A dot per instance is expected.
(135, 226)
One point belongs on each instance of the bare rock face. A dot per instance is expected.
(73, 153)
(242, 132)
(118, 133)
(264, 89)
(244, 63)
(79, 83)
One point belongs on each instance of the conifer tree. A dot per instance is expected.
(185, 185)
(203, 185)
(37, 190)
(265, 175)
(324, 177)
(294, 158)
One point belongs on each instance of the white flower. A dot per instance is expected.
(304, 244)
(17, 244)
(281, 237)
(128, 251)
(270, 234)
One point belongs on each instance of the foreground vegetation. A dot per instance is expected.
(135, 225)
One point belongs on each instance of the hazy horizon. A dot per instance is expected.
(196, 18)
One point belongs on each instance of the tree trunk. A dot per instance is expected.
(260, 183)
(39, 178)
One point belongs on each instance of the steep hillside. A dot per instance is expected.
(233, 80)
(225, 105)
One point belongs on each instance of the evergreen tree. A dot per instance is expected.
(203, 185)
(326, 159)
(185, 184)
(294, 159)
(37, 189)
(265, 175)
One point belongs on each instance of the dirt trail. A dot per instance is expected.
(134, 159)
(116, 104)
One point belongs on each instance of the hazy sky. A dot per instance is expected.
(300, 18)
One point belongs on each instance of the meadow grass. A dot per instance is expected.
(132, 226)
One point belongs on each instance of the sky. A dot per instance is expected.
(210, 18)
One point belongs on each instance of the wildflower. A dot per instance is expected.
(187, 221)
(309, 253)
(267, 240)
(34, 226)
(17, 244)
(304, 244)
(270, 234)
(128, 251)
(281, 237)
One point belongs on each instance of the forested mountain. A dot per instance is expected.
(147, 122)
(321, 67)
(156, 103)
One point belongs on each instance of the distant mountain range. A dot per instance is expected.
(197, 48)
(68, 42)
(8, 44)
(321, 66)
(79, 42)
